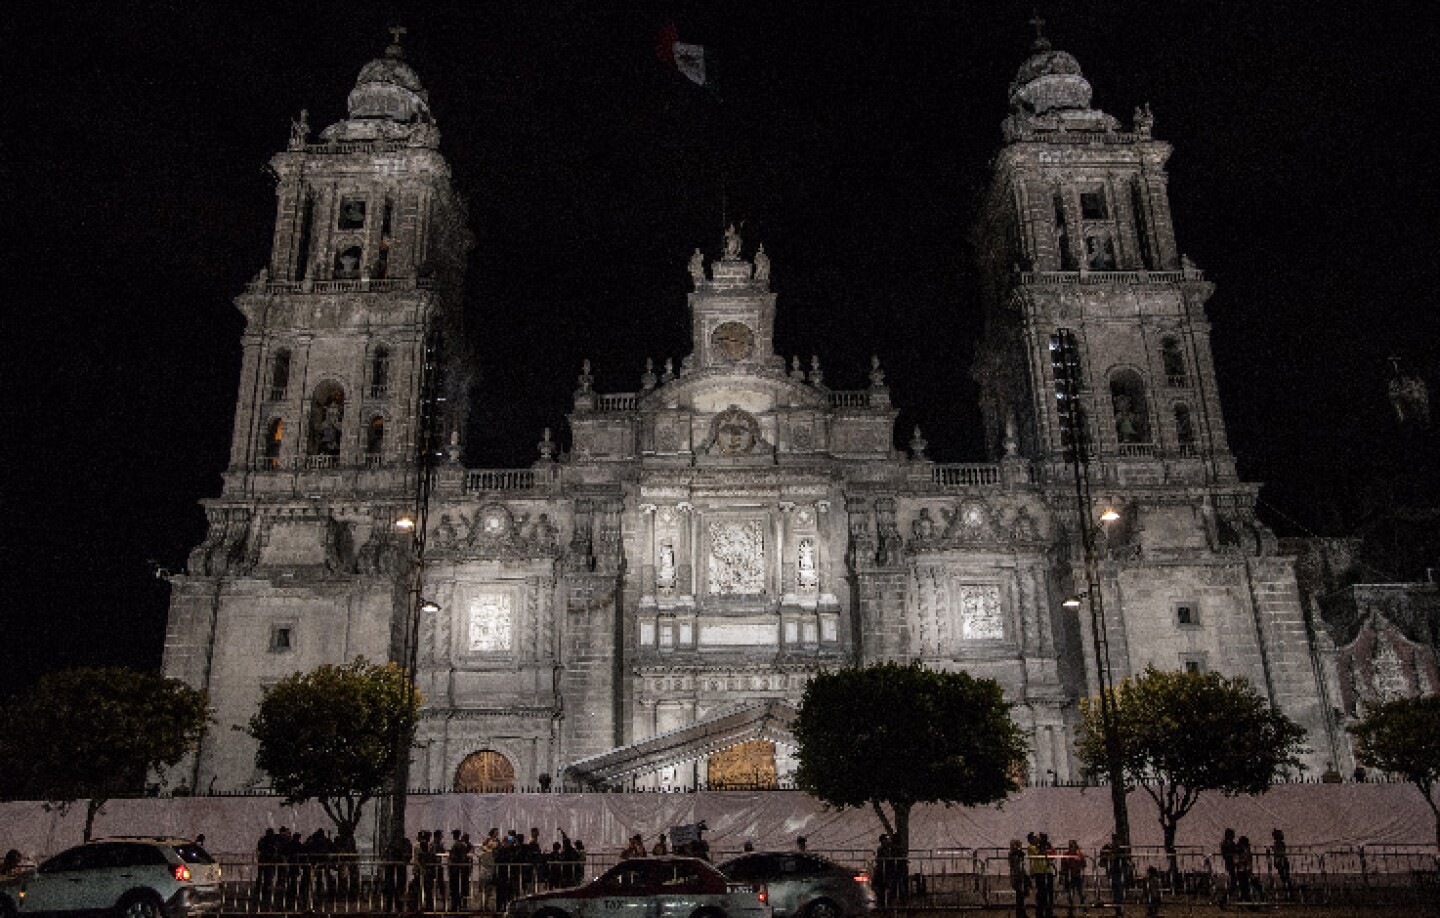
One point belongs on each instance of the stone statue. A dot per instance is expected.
(300, 130)
(586, 381)
(877, 375)
(762, 266)
(1144, 120)
(805, 564)
(732, 242)
(924, 526)
(330, 430)
(667, 565)
(697, 268)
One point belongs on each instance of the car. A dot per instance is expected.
(803, 885)
(650, 887)
(150, 877)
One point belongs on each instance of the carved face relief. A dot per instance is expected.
(735, 432)
(733, 340)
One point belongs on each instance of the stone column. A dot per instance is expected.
(685, 572)
(787, 547)
(647, 558)
(823, 562)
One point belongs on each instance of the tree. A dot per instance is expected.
(897, 735)
(331, 735)
(96, 733)
(1403, 737)
(1182, 734)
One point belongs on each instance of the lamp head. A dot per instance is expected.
(405, 523)
(1071, 602)
(1110, 515)
(430, 606)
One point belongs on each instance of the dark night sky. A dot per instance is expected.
(856, 147)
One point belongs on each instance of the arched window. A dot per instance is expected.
(1127, 398)
(270, 444)
(347, 263)
(279, 374)
(374, 440)
(380, 372)
(485, 772)
(1184, 430)
(327, 413)
(1174, 360)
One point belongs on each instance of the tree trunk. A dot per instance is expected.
(1169, 827)
(92, 808)
(901, 846)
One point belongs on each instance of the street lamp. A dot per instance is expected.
(1075, 443)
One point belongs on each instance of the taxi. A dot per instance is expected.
(650, 887)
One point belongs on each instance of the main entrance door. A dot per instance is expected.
(485, 772)
(748, 766)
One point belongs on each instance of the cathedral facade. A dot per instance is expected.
(645, 609)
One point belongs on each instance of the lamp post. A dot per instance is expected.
(1065, 361)
(416, 605)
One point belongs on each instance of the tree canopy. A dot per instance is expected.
(96, 733)
(897, 735)
(331, 735)
(1182, 734)
(1403, 737)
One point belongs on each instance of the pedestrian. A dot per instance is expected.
(1280, 857)
(1245, 869)
(1228, 847)
(1072, 874)
(1151, 892)
(1042, 874)
(802, 844)
(636, 848)
(660, 849)
(397, 857)
(460, 860)
(1019, 876)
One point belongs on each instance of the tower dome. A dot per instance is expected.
(1047, 81)
(1049, 93)
(387, 104)
(388, 88)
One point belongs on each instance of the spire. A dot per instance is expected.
(1041, 43)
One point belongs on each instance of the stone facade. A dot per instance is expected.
(662, 592)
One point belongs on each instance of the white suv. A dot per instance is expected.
(125, 877)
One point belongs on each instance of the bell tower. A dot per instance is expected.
(351, 366)
(1081, 247)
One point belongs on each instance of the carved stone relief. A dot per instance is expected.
(737, 558)
(492, 622)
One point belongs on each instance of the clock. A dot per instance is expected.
(733, 340)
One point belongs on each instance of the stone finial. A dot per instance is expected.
(453, 451)
(877, 375)
(1012, 438)
(817, 378)
(300, 131)
(647, 379)
(669, 370)
(762, 266)
(918, 445)
(586, 381)
(697, 268)
(546, 446)
(796, 370)
(1144, 120)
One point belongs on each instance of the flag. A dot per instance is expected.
(691, 60)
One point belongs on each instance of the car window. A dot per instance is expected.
(65, 861)
(679, 875)
(747, 868)
(137, 856)
(631, 877)
(194, 854)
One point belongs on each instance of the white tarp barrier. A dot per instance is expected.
(1327, 815)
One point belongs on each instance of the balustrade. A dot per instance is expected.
(965, 475)
(483, 480)
(358, 285)
(1107, 277)
(856, 399)
(317, 462)
(1138, 450)
(619, 401)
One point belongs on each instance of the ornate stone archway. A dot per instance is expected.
(485, 772)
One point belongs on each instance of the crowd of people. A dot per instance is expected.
(428, 873)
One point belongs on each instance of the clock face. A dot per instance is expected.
(733, 340)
